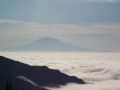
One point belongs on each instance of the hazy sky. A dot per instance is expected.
(93, 24)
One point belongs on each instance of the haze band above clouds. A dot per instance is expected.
(96, 35)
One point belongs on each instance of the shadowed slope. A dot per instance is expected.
(32, 77)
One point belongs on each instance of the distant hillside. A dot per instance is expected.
(20, 76)
(48, 44)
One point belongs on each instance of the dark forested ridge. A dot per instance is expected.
(15, 75)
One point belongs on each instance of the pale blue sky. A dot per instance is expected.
(61, 11)
(93, 24)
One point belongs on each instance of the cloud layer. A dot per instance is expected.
(100, 69)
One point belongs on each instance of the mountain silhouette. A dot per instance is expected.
(48, 44)
(25, 77)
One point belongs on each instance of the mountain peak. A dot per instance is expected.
(49, 44)
(48, 39)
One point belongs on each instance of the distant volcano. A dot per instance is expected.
(48, 44)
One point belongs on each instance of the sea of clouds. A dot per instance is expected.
(100, 70)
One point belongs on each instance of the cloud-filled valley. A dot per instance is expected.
(100, 70)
